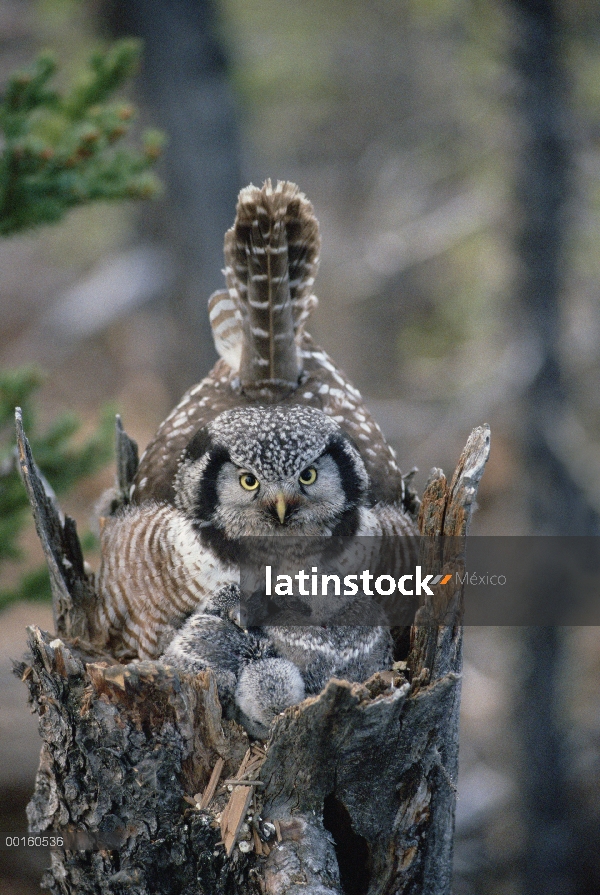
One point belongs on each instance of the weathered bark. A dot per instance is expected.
(356, 792)
(73, 593)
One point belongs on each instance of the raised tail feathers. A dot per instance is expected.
(271, 257)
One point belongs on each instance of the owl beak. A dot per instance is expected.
(280, 506)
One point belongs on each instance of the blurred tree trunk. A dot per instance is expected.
(185, 82)
(354, 793)
(557, 504)
(542, 192)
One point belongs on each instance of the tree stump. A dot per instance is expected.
(154, 793)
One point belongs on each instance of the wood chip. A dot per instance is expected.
(223, 821)
(211, 786)
(238, 805)
(233, 781)
(258, 846)
(243, 789)
(278, 830)
(245, 762)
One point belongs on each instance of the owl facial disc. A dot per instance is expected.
(271, 470)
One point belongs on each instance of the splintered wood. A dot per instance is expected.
(236, 809)
(211, 786)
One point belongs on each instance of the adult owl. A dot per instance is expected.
(274, 441)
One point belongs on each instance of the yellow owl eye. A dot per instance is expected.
(248, 481)
(308, 476)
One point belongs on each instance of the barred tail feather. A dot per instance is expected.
(271, 256)
(268, 347)
(226, 323)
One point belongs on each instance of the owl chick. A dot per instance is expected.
(262, 671)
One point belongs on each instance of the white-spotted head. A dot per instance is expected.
(280, 470)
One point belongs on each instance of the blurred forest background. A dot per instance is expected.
(451, 149)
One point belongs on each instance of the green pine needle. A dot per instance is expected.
(63, 150)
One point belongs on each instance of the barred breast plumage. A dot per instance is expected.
(154, 574)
